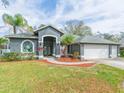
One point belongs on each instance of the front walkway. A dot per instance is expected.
(113, 62)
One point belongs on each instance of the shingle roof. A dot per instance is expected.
(47, 27)
(95, 40)
(22, 35)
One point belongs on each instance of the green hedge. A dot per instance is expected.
(121, 53)
(13, 56)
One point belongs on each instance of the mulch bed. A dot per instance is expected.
(80, 65)
(68, 59)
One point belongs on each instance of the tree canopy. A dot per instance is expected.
(17, 22)
(77, 28)
(68, 39)
(3, 41)
(108, 36)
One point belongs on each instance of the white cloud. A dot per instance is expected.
(106, 15)
(112, 12)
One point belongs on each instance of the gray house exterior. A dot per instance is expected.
(46, 42)
(43, 42)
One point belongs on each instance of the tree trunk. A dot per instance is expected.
(14, 29)
(65, 51)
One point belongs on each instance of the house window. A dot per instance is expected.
(27, 46)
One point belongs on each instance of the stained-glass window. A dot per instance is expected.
(27, 47)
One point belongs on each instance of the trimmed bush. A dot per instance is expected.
(121, 53)
(28, 56)
(12, 56)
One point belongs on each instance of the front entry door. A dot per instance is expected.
(48, 46)
(48, 50)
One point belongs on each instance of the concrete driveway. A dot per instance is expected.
(119, 63)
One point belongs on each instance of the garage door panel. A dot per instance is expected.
(95, 51)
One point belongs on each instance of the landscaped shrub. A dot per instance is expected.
(12, 56)
(28, 56)
(76, 54)
(122, 53)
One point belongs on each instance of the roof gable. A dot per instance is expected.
(45, 27)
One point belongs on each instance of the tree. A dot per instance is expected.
(66, 40)
(109, 36)
(5, 3)
(77, 28)
(121, 35)
(16, 22)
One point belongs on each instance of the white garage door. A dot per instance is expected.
(114, 51)
(92, 51)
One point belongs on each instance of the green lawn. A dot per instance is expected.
(34, 77)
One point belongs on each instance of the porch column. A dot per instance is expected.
(40, 49)
(118, 50)
(58, 50)
(110, 51)
(82, 51)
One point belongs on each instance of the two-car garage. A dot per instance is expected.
(92, 51)
(91, 47)
(95, 51)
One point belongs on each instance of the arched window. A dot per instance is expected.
(27, 46)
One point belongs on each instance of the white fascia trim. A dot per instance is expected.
(22, 46)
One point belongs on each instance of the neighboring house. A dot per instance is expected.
(46, 42)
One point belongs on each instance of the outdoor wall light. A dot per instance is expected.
(40, 43)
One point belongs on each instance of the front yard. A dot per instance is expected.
(38, 77)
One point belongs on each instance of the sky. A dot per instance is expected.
(105, 16)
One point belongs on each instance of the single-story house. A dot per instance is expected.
(46, 42)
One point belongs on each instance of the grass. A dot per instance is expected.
(34, 77)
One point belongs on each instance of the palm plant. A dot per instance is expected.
(66, 40)
(3, 41)
(16, 22)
